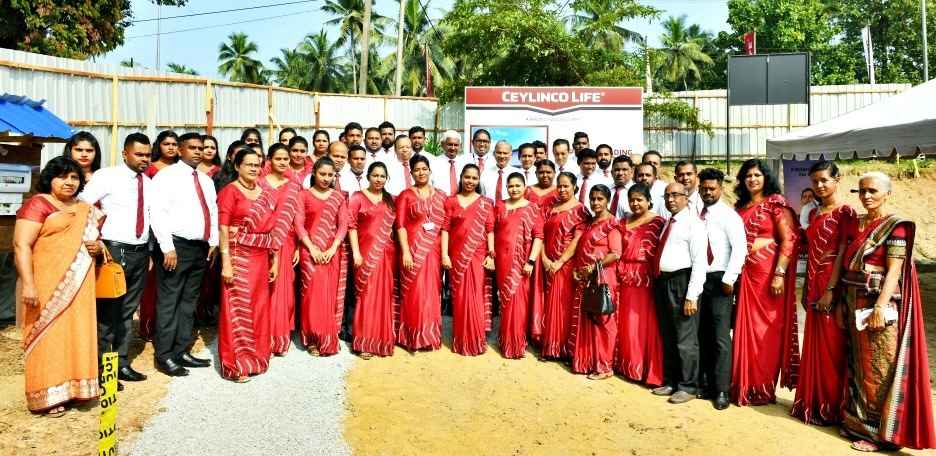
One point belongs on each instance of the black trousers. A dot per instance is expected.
(114, 316)
(715, 334)
(177, 296)
(350, 304)
(680, 333)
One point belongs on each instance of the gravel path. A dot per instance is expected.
(297, 407)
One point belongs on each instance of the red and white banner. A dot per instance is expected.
(609, 115)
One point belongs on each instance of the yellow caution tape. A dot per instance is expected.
(107, 436)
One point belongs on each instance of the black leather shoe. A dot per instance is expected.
(127, 374)
(665, 390)
(187, 360)
(721, 401)
(170, 368)
(681, 397)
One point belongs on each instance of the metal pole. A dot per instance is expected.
(925, 46)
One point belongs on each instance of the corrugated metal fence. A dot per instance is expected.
(112, 101)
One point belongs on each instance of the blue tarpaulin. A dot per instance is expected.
(21, 116)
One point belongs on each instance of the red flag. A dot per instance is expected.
(750, 43)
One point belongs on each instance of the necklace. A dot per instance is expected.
(246, 187)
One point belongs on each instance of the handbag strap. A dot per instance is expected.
(107, 256)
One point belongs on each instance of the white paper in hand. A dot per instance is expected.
(861, 317)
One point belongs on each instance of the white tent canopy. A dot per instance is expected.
(904, 124)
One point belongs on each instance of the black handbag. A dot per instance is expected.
(597, 297)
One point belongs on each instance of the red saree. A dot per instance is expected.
(558, 232)
(421, 286)
(888, 395)
(244, 322)
(538, 300)
(639, 347)
(60, 332)
(283, 289)
(765, 335)
(323, 285)
(592, 339)
(471, 284)
(375, 280)
(821, 386)
(514, 232)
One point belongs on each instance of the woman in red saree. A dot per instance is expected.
(592, 337)
(56, 240)
(518, 239)
(324, 216)
(420, 213)
(765, 336)
(560, 234)
(210, 297)
(211, 159)
(467, 250)
(370, 231)
(820, 390)
(543, 195)
(165, 153)
(281, 180)
(543, 192)
(640, 347)
(888, 399)
(251, 231)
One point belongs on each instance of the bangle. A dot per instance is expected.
(531, 262)
(830, 287)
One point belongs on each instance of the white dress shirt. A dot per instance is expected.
(116, 189)
(623, 209)
(727, 240)
(396, 176)
(350, 182)
(176, 209)
(803, 216)
(380, 156)
(585, 186)
(489, 181)
(695, 203)
(659, 201)
(570, 167)
(441, 167)
(529, 175)
(686, 247)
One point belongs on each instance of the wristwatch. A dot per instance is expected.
(531, 262)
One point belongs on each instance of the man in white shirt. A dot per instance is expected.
(727, 248)
(446, 168)
(680, 277)
(399, 177)
(807, 204)
(372, 146)
(480, 146)
(687, 174)
(579, 142)
(125, 195)
(387, 136)
(353, 133)
(646, 174)
(353, 178)
(540, 151)
(588, 164)
(561, 157)
(185, 222)
(623, 172)
(494, 179)
(605, 157)
(417, 136)
(527, 155)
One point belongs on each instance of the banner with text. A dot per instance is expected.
(609, 115)
(795, 180)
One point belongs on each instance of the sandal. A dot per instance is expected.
(366, 356)
(865, 446)
(313, 350)
(243, 379)
(599, 376)
(56, 412)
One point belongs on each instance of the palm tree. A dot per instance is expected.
(291, 69)
(598, 21)
(238, 62)
(422, 47)
(327, 71)
(180, 68)
(349, 18)
(128, 63)
(682, 57)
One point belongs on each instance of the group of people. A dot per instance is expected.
(368, 238)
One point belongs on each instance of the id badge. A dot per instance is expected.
(428, 226)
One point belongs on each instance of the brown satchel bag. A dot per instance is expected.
(597, 297)
(111, 281)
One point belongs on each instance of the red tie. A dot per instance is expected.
(358, 177)
(481, 162)
(662, 245)
(583, 190)
(614, 202)
(453, 185)
(406, 175)
(711, 257)
(139, 221)
(338, 181)
(500, 179)
(206, 234)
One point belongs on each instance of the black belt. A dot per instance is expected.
(126, 247)
(189, 242)
(667, 275)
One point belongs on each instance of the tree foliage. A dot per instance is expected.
(180, 68)
(238, 62)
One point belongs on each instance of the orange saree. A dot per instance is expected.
(60, 333)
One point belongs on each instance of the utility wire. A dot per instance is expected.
(221, 25)
(221, 11)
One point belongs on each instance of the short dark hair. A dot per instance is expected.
(356, 147)
(579, 134)
(682, 163)
(526, 146)
(637, 167)
(85, 136)
(157, 154)
(642, 189)
(417, 129)
(712, 174)
(478, 132)
(353, 126)
(136, 138)
(417, 159)
(192, 135)
(537, 144)
(545, 162)
(370, 129)
(286, 130)
(386, 124)
(59, 167)
(622, 158)
(652, 152)
(398, 138)
(516, 175)
(317, 132)
(341, 136)
(243, 152)
(560, 142)
(604, 146)
(587, 153)
(808, 190)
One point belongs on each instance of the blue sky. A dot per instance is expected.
(273, 28)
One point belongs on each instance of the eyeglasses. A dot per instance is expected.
(483, 141)
(673, 195)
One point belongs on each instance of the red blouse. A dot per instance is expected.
(36, 209)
